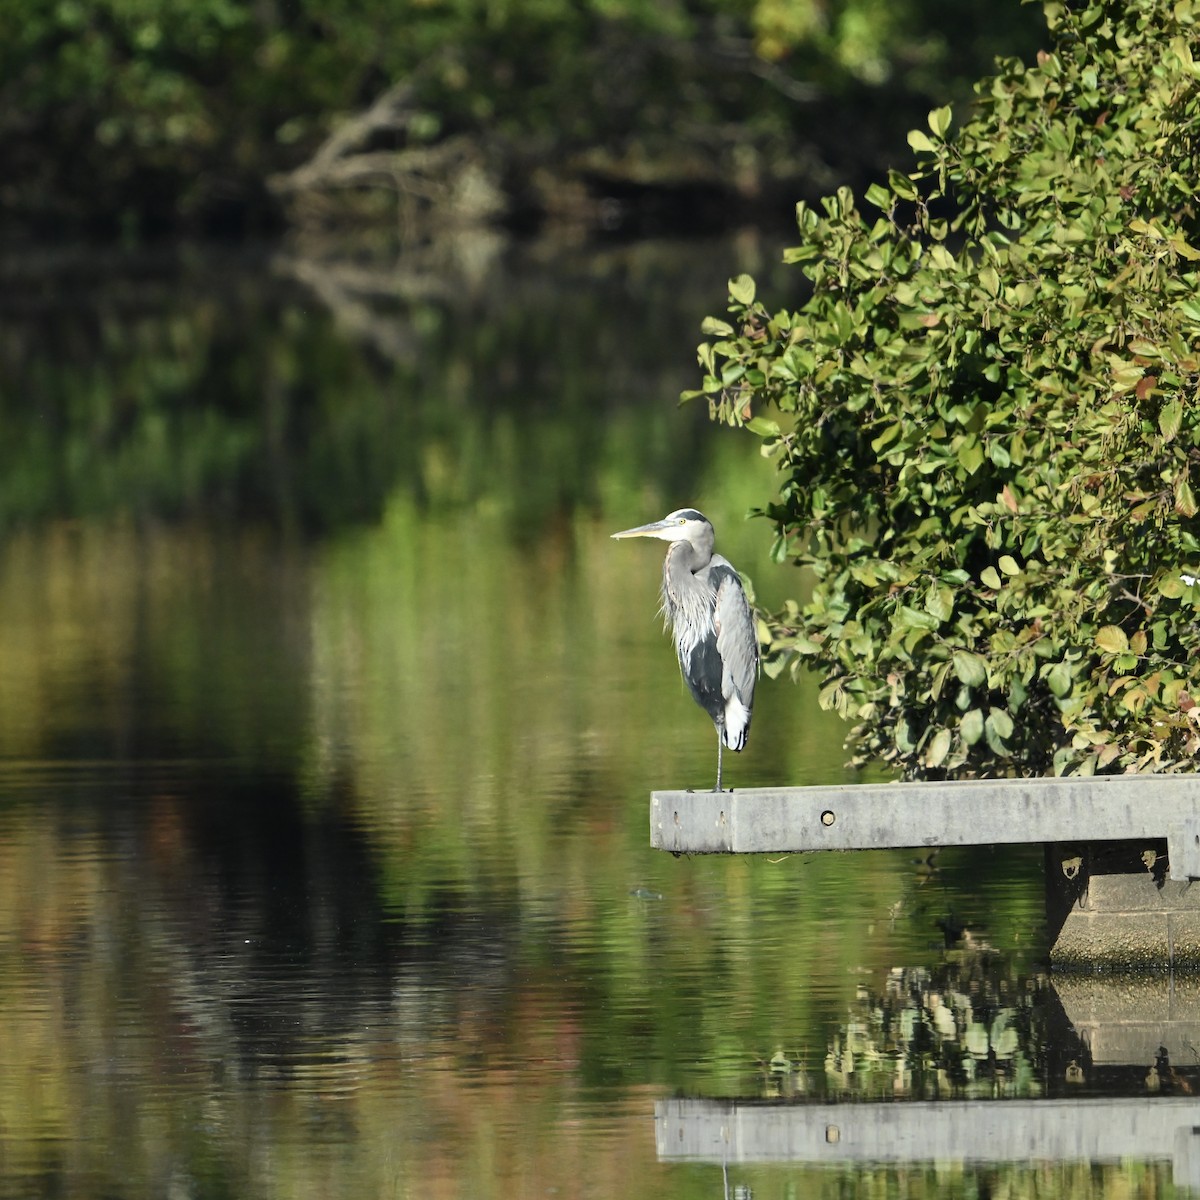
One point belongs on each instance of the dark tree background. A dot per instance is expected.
(138, 116)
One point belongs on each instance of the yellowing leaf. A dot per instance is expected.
(1126, 375)
(1185, 500)
(1170, 418)
(1112, 640)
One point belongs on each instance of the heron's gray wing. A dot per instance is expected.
(737, 646)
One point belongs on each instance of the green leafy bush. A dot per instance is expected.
(986, 418)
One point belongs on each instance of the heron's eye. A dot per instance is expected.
(682, 521)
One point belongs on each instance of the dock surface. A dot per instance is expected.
(959, 813)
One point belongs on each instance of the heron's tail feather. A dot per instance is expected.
(737, 723)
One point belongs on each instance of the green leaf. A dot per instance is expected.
(920, 142)
(742, 290)
(903, 735)
(1000, 723)
(1059, 679)
(1127, 375)
(914, 618)
(763, 427)
(938, 748)
(942, 258)
(712, 327)
(1184, 249)
(970, 454)
(879, 196)
(902, 185)
(889, 435)
(989, 578)
(970, 668)
(939, 120)
(939, 602)
(1008, 565)
(772, 668)
(995, 740)
(971, 726)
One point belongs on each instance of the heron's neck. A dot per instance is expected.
(683, 556)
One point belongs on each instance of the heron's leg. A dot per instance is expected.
(720, 748)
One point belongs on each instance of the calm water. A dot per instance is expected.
(328, 720)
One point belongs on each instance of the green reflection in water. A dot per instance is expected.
(1071, 1181)
(341, 884)
(530, 380)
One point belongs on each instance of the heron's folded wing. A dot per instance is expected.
(737, 642)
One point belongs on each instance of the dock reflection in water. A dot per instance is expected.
(1032, 1134)
(1080, 1074)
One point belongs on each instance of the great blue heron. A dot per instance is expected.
(705, 606)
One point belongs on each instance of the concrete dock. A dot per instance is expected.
(1121, 850)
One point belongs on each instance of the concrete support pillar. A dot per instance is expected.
(1112, 906)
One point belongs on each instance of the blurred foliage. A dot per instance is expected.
(128, 642)
(228, 388)
(136, 115)
(986, 419)
(1149, 1180)
(212, 389)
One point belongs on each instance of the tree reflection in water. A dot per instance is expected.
(322, 814)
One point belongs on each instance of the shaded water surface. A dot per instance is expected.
(328, 720)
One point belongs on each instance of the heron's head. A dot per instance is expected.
(683, 525)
